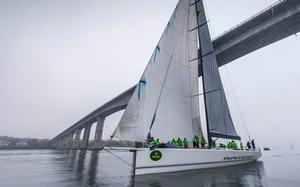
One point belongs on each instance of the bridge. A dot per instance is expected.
(272, 24)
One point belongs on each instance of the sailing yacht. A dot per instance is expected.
(165, 102)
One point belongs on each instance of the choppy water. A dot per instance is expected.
(36, 168)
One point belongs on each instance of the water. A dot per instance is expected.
(36, 168)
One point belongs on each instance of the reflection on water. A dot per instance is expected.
(95, 168)
(100, 168)
(245, 175)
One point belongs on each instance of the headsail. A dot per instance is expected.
(165, 94)
(219, 121)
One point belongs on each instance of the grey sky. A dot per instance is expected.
(61, 59)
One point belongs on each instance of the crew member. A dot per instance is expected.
(253, 144)
(234, 145)
(203, 142)
(213, 144)
(222, 145)
(185, 143)
(157, 142)
(195, 141)
(229, 145)
(179, 142)
(248, 145)
(241, 146)
(173, 142)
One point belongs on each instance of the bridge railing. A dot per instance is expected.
(250, 18)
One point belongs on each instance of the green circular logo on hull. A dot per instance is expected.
(155, 155)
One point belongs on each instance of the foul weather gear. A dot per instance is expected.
(179, 142)
(203, 142)
(173, 142)
(241, 146)
(253, 144)
(185, 143)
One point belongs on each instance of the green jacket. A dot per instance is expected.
(185, 142)
(173, 142)
(195, 139)
(241, 146)
(213, 145)
(203, 141)
(179, 142)
(156, 142)
(233, 145)
(229, 145)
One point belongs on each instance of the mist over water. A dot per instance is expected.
(35, 168)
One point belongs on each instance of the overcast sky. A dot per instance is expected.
(61, 59)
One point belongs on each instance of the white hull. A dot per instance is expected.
(190, 159)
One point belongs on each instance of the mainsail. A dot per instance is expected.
(165, 100)
(218, 118)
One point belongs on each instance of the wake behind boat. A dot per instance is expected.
(165, 102)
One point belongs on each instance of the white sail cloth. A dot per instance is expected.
(166, 95)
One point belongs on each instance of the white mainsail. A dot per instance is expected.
(166, 95)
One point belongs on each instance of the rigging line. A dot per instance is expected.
(199, 26)
(209, 53)
(117, 139)
(162, 88)
(205, 92)
(237, 103)
(194, 3)
(119, 158)
(165, 78)
(119, 150)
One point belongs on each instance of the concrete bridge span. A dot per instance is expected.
(268, 26)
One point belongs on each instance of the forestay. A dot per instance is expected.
(166, 95)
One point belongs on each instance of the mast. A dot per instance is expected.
(200, 56)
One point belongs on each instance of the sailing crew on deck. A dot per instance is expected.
(203, 142)
(173, 142)
(253, 144)
(195, 141)
(179, 141)
(185, 143)
(241, 146)
(248, 145)
(156, 142)
(233, 144)
(229, 145)
(223, 146)
(213, 144)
